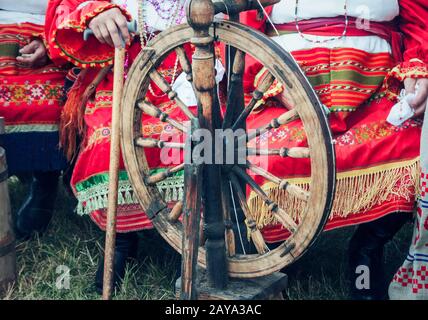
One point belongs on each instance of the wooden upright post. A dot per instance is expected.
(200, 15)
(191, 222)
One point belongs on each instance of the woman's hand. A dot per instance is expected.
(33, 55)
(109, 27)
(419, 103)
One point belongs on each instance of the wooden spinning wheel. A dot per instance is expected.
(218, 178)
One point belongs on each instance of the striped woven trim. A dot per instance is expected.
(24, 128)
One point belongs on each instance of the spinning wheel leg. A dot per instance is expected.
(191, 223)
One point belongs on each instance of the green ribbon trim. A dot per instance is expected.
(31, 128)
(347, 75)
(92, 193)
(9, 50)
(98, 179)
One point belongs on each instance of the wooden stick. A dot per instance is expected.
(154, 112)
(279, 213)
(226, 207)
(282, 183)
(235, 99)
(274, 124)
(258, 94)
(172, 95)
(185, 63)
(155, 143)
(295, 152)
(158, 177)
(110, 243)
(176, 212)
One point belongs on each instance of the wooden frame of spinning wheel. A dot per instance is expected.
(185, 239)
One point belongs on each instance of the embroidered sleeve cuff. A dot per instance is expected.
(68, 38)
(414, 68)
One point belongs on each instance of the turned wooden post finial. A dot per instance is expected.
(200, 14)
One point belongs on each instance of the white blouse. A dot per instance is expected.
(19, 11)
(373, 10)
(151, 17)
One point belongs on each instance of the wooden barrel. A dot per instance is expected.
(7, 237)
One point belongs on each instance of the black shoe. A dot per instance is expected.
(125, 250)
(36, 212)
(366, 265)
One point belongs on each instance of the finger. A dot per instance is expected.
(409, 85)
(114, 34)
(420, 110)
(27, 61)
(106, 35)
(29, 48)
(40, 52)
(122, 24)
(420, 98)
(98, 35)
(22, 60)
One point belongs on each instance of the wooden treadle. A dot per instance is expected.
(263, 288)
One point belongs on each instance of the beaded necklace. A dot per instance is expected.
(296, 18)
(175, 12)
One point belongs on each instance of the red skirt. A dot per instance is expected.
(376, 162)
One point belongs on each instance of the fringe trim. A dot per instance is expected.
(96, 197)
(355, 192)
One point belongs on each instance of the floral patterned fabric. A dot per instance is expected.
(30, 102)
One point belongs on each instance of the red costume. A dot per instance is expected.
(377, 167)
(30, 98)
(377, 163)
(90, 176)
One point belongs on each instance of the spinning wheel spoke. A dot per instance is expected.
(258, 94)
(160, 81)
(184, 62)
(256, 235)
(161, 176)
(176, 212)
(285, 118)
(235, 97)
(154, 112)
(283, 184)
(297, 152)
(155, 143)
(202, 237)
(279, 213)
(226, 202)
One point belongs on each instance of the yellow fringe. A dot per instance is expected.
(356, 191)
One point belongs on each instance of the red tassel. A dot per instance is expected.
(72, 122)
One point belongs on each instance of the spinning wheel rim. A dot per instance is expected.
(240, 266)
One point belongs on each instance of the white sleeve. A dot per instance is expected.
(37, 7)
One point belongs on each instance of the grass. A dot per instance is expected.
(76, 242)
